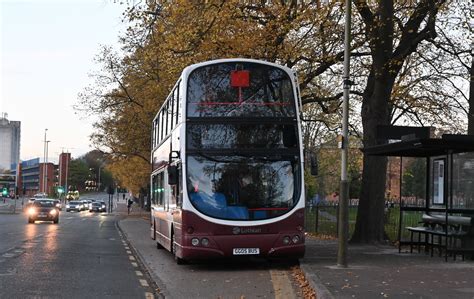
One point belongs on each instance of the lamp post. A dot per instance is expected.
(343, 229)
(98, 182)
(46, 168)
(44, 159)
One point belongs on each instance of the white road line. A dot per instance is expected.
(131, 258)
(139, 273)
(127, 248)
(135, 265)
(144, 283)
(129, 252)
(149, 296)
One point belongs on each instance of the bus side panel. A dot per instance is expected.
(178, 230)
(162, 232)
(268, 238)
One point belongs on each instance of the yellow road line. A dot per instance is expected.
(282, 285)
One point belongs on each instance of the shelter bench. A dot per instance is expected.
(441, 233)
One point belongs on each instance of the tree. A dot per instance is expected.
(414, 179)
(393, 34)
(78, 174)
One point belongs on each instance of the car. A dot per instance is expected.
(58, 205)
(74, 205)
(43, 210)
(97, 207)
(102, 203)
(85, 205)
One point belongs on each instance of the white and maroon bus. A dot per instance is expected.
(227, 163)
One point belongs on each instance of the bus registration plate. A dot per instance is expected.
(245, 251)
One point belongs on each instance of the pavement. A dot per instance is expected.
(382, 272)
(374, 271)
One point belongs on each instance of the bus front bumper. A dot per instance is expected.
(223, 246)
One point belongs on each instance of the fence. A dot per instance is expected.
(323, 219)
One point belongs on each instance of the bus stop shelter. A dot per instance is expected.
(447, 210)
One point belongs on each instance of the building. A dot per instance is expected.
(32, 173)
(9, 142)
(64, 161)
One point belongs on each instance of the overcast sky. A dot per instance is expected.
(47, 51)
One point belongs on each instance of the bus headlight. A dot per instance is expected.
(295, 239)
(205, 242)
(195, 241)
(53, 212)
(286, 240)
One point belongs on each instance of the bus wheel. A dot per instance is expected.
(153, 234)
(158, 245)
(178, 260)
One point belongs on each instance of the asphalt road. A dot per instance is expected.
(83, 256)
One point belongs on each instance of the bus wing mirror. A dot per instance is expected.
(172, 175)
(314, 164)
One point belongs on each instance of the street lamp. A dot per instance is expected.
(46, 170)
(98, 183)
(44, 160)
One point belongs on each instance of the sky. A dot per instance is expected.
(47, 50)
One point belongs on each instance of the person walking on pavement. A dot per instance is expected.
(129, 205)
(123, 196)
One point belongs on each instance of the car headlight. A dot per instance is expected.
(53, 212)
(67, 206)
(31, 211)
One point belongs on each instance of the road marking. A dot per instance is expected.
(127, 248)
(282, 285)
(144, 283)
(8, 255)
(135, 265)
(131, 258)
(139, 273)
(129, 252)
(149, 296)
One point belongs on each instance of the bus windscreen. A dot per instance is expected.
(243, 188)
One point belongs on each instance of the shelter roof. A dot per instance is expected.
(426, 147)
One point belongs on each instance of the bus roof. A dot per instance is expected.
(187, 70)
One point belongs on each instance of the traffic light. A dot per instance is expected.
(60, 190)
(4, 192)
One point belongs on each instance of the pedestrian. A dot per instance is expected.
(129, 205)
(123, 196)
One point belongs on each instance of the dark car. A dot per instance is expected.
(102, 203)
(96, 207)
(74, 206)
(43, 210)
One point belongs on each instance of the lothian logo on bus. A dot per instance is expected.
(247, 230)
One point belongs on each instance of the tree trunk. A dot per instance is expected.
(369, 225)
(470, 117)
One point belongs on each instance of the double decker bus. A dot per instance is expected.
(227, 163)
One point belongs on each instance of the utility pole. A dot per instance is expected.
(46, 165)
(44, 160)
(343, 229)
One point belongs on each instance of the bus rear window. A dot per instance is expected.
(240, 89)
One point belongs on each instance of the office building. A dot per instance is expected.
(9, 142)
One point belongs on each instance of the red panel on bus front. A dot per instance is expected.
(240, 78)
